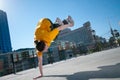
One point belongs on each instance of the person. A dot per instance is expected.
(45, 33)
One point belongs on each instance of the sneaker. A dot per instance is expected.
(70, 20)
(58, 21)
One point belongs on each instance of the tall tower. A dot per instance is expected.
(5, 42)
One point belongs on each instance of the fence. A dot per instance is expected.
(14, 62)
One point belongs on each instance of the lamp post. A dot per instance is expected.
(94, 35)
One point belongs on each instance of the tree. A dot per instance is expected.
(119, 41)
(111, 41)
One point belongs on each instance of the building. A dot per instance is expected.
(5, 42)
(19, 60)
(80, 36)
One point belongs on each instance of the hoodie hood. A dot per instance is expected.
(44, 24)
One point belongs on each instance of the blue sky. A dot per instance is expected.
(23, 16)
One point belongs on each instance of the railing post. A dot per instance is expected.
(34, 60)
(12, 59)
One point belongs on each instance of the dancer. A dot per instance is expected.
(45, 33)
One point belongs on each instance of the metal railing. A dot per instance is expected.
(12, 63)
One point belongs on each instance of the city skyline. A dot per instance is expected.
(24, 15)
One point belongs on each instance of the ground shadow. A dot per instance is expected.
(111, 71)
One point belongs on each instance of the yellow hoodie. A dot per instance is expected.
(43, 32)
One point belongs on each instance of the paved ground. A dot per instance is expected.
(104, 65)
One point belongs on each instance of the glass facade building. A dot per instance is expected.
(5, 42)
